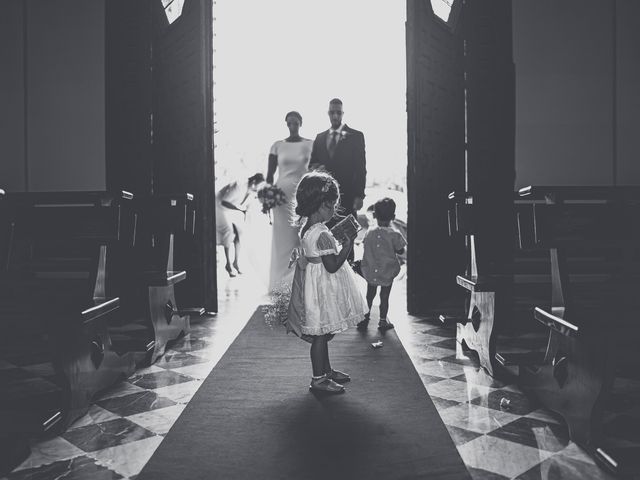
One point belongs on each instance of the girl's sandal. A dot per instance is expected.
(325, 384)
(338, 376)
(384, 325)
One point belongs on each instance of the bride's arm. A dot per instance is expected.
(271, 168)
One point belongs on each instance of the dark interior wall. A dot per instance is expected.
(65, 95)
(564, 60)
(628, 93)
(52, 119)
(12, 147)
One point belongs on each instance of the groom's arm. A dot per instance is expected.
(359, 168)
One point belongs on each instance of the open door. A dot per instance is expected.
(436, 153)
(182, 131)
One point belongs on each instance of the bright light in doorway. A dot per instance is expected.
(280, 55)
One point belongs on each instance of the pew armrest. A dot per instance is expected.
(558, 324)
(483, 283)
(192, 312)
(520, 359)
(621, 460)
(101, 307)
(449, 320)
(164, 279)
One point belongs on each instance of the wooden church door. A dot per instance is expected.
(182, 129)
(159, 109)
(436, 153)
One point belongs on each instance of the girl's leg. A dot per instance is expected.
(322, 379)
(384, 301)
(384, 323)
(318, 353)
(326, 364)
(334, 375)
(371, 294)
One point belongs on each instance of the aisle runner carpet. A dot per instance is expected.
(254, 417)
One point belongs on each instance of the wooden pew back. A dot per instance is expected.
(591, 235)
(53, 305)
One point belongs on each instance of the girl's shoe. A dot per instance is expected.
(338, 376)
(235, 265)
(364, 323)
(325, 384)
(384, 325)
(230, 270)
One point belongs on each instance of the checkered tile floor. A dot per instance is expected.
(126, 424)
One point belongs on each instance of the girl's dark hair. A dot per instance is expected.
(385, 209)
(313, 190)
(293, 113)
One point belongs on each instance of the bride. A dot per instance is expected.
(290, 158)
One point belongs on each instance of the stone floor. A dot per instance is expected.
(127, 423)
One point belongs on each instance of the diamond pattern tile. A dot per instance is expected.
(106, 434)
(496, 439)
(534, 433)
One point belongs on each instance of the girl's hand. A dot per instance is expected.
(347, 242)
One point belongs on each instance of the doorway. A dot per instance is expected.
(275, 57)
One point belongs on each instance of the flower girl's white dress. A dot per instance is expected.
(333, 301)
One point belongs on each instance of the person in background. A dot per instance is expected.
(380, 264)
(290, 159)
(231, 208)
(341, 152)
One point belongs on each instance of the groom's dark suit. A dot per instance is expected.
(347, 164)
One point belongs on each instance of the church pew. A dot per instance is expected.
(592, 237)
(497, 298)
(55, 349)
(182, 226)
(185, 247)
(147, 279)
(458, 222)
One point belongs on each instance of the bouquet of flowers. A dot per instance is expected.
(287, 300)
(271, 196)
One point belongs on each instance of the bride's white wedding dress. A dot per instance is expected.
(293, 161)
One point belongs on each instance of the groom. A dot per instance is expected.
(340, 151)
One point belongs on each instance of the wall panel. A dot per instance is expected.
(563, 53)
(12, 132)
(628, 93)
(65, 101)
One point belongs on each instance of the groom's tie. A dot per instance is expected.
(333, 143)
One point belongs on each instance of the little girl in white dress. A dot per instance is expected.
(333, 301)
